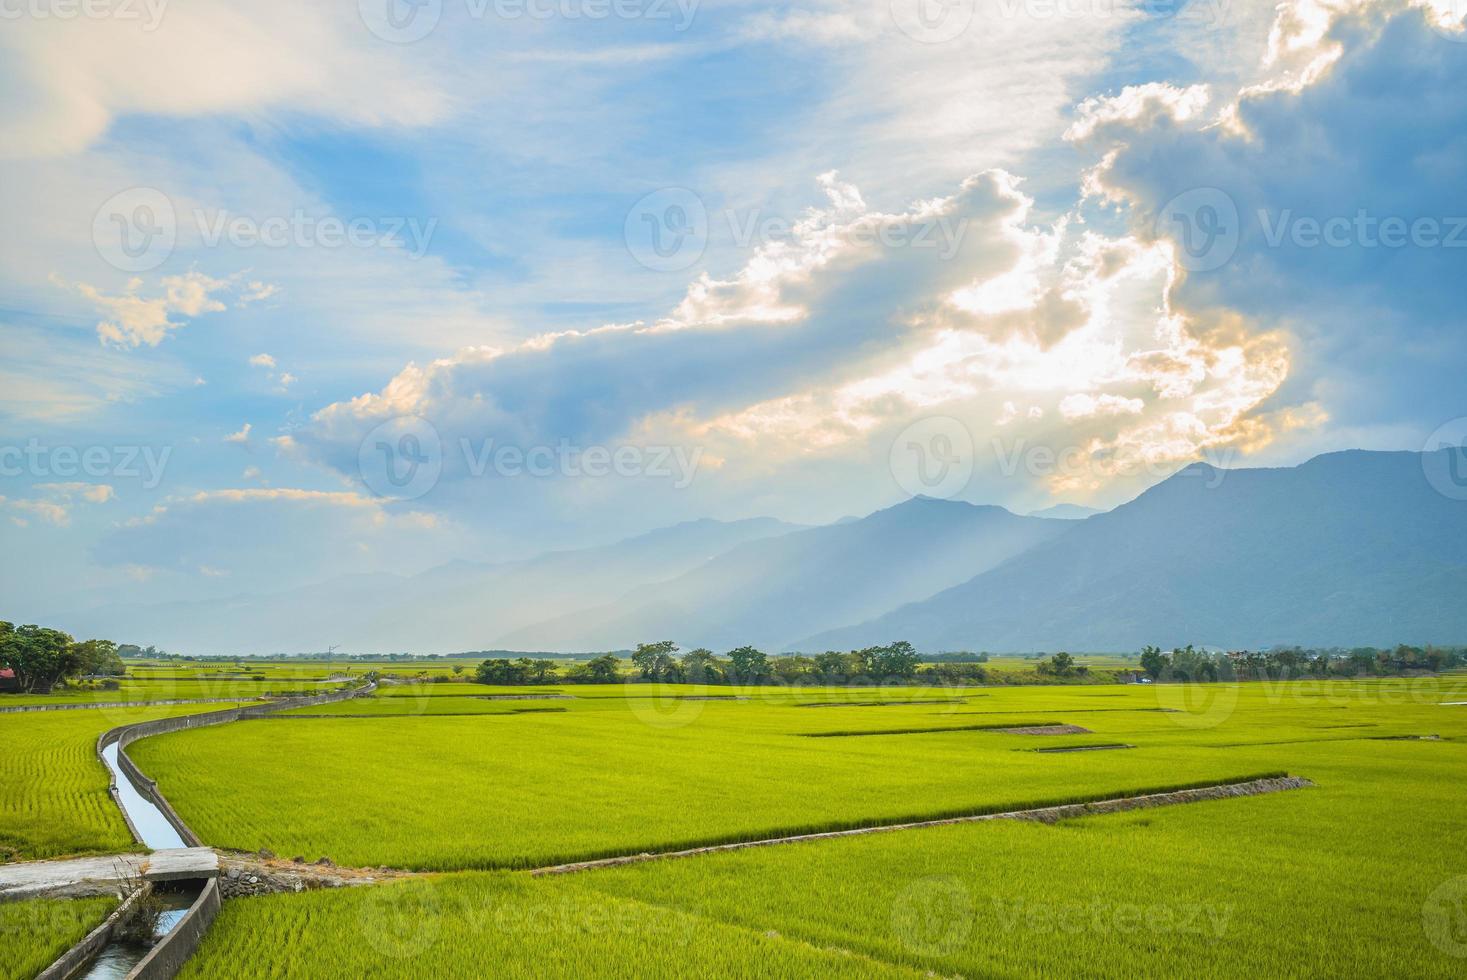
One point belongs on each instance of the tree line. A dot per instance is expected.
(664, 662)
(1189, 664)
(42, 657)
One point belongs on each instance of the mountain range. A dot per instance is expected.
(1349, 548)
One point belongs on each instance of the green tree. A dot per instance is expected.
(700, 666)
(748, 664)
(605, 669)
(1153, 661)
(898, 660)
(655, 662)
(537, 671)
(498, 671)
(98, 657)
(39, 656)
(792, 668)
(830, 665)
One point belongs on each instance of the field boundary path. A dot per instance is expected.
(1048, 814)
(83, 706)
(173, 950)
(78, 877)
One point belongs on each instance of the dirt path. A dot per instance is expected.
(1052, 814)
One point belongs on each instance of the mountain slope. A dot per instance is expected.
(774, 591)
(458, 606)
(1349, 548)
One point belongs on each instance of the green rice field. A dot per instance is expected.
(33, 933)
(1362, 873)
(53, 788)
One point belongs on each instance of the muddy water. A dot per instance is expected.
(118, 958)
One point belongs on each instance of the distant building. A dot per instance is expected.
(7, 680)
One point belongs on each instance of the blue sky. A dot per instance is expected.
(798, 262)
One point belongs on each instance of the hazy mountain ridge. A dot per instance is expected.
(1349, 548)
(461, 605)
(772, 592)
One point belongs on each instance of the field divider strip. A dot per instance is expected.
(1048, 814)
(171, 951)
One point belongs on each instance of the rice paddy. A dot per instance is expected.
(53, 788)
(33, 933)
(1361, 874)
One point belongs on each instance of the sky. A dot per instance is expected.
(295, 291)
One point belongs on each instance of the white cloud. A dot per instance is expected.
(262, 360)
(255, 291)
(1084, 406)
(56, 500)
(825, 344)
(67, 79)
(134, 320)
(240, 438)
